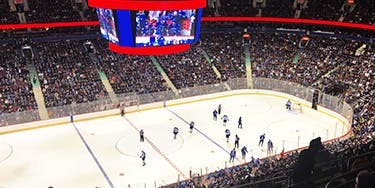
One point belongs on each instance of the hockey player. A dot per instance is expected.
(236, 142)
(191, 126)
(243, 152)
(261, 139)
(219, 109)
(215, 114)
(269, 147)
(227, 134)
(122, 111)
(143, 157)
(141, 135)
(225, 120)
(175, 132)
(282, 154)
(288, 105)
(232, 155)
(240, 122)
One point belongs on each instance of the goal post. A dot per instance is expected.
(129, 103)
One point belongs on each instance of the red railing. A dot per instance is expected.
(204, 19)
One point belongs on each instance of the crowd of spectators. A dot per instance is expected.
(301, 64)
(362, 13)
(275, 8)
(188, 69)
(52, 11)
(66, 73)
(129, 73)
(359, 12)
(320, 9)
(6, 16)
(225, 51)
(16, 93)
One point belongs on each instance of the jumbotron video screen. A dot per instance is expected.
(141, 28)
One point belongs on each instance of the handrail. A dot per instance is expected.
(352, 159)
(261, 181)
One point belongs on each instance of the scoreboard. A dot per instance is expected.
(152, 28)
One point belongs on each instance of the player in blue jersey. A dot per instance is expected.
(174, 29)
(175, 132)
(214, 113)
(141, 135)
(269, 147)
(252, 160)
(122, 111)
(191, 125)
(147, 30)
(225, 120)
(143, 157)
(243, 152)
(232, 155)
(161, 27)
(261, 139)
(140, 21)
(227, 134)
(176, 16)
(237, 142)
(240, 122)
(288, 105)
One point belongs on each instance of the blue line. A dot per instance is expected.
(93, 156)
(221, 147)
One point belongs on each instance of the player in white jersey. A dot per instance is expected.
(288, 105)
(225, 120)
(269, 147)
(175, 132)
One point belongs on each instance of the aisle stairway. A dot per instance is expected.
(104, 79)
(249, 75)
(218, 74)
(296, 57)
(164, 75)
(34, 80)
(326, 75)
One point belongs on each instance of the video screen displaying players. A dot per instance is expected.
(160, 28)
(107, 25)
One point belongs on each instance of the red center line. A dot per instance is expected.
(159, 151)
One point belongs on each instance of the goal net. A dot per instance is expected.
(129, 104)
(297, 107)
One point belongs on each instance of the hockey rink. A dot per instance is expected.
(105, 152)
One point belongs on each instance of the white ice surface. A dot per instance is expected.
(57, 156)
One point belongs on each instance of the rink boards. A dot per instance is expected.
(156, 105)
